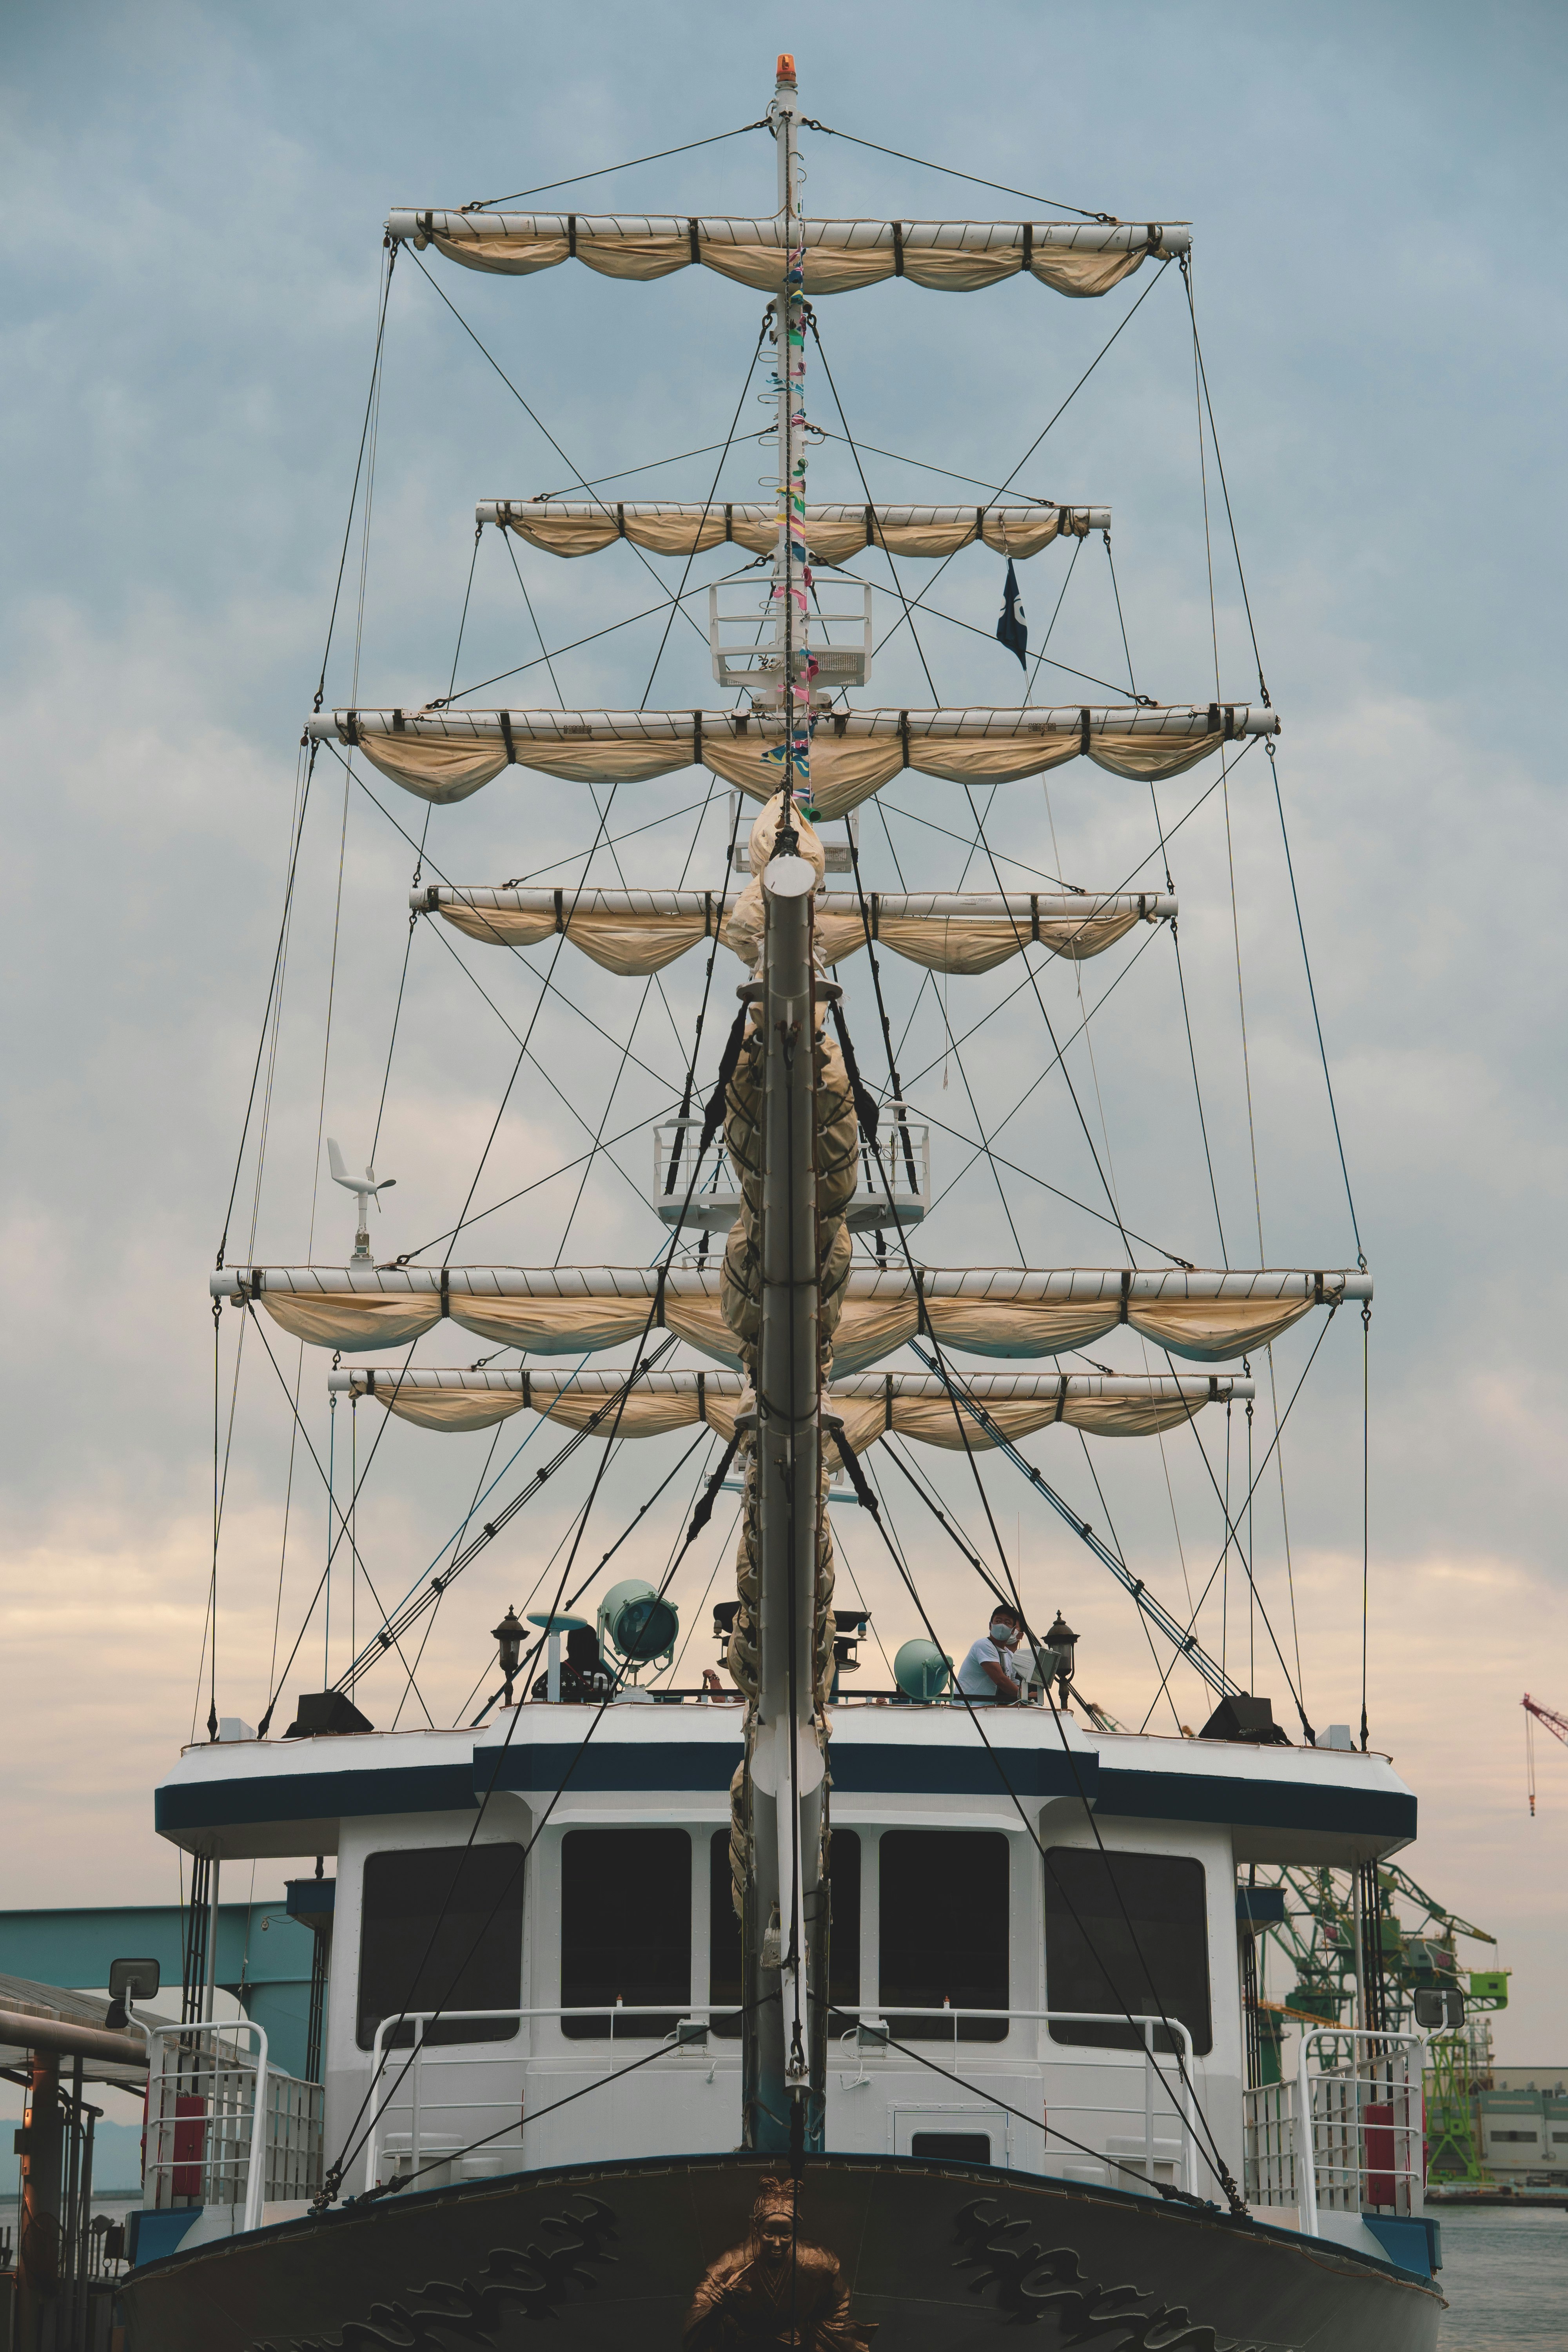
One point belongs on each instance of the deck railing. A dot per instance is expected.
(1360, 2097)
(206, 2087)
(402, 2092)
(892, 1187)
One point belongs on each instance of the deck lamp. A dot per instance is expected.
(508, 1634)
(1057, 1657)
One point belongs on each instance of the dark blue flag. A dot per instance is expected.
(1010, 629)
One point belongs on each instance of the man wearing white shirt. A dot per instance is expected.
(987, 1670)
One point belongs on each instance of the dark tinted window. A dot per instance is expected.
(1127, 1931)
(724, 1983)
(441, 1929)
(956, 2147)
(943, 1905)
(625, 1927)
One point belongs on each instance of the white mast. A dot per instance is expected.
(789, 597)
(784, 1760)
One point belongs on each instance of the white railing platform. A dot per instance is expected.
(1356, 2103)
(893, 1187)
(206, 2086)
(416, 2130)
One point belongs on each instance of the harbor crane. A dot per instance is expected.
(1557, 1724)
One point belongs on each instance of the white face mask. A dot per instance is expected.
(1003, 1636)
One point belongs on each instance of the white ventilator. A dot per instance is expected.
(365, 1189)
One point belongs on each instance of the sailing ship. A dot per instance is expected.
(773, 2011)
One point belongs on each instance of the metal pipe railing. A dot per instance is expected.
(693, 2022)
(382, 2094)
(1346, 2136)
(206, 2109)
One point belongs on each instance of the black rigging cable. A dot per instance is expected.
(1039, 1077)
(606, 171)
(429, 1594)
(561, 995)
(1225, 487)
(699, 1520)
(1313, 994)
(922, 465)
(550, 654)
(332, 2179)
(1221, 2170)
(343, 1529)
(1050, 1032)
(359, 465)
(924, 164)
(1365, 1499)
(1126, 322)
(278, 961)
(532, 415)
(1279, 1433)
(864, 1488)
(707, 509)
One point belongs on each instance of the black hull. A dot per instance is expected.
(938, 2257)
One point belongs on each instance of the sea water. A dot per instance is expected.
(1506, 2278)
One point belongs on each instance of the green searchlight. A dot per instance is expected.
(921, 1671)
(638, 1625)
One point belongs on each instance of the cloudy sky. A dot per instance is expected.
(195, 196)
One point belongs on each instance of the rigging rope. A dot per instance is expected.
(390, 265)
(532, 416)
(922, 465)
(335, 1508)
(707, 509)
(946, 169)
(1120, 618)
(1313, 994)
(1039, 436)
(1050, 1032)
(604, 170)
(1311, 1735)
(569, 1002)
(1225, 487)
(332, 2179)
(1365, 1498)
(860, 1479)
(1205, 407)
(1183, 1641)
(272, 1012)
(611, 628)
(545, 655)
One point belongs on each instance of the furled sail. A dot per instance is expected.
(997, 1311)
(869, 1404)
(642, 930)
(445, 755)
(1080, 257)
(831, 534)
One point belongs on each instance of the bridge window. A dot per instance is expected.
(625, 1930)
(943, 1904)
(1127, 1932)
(441, 1927)
(724, 1981)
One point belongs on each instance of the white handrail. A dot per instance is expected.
(1397, 2061)
(254, 2154)
(702, 2012)
(381, 2099)
(1385, 2044)
(1181, 2110)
